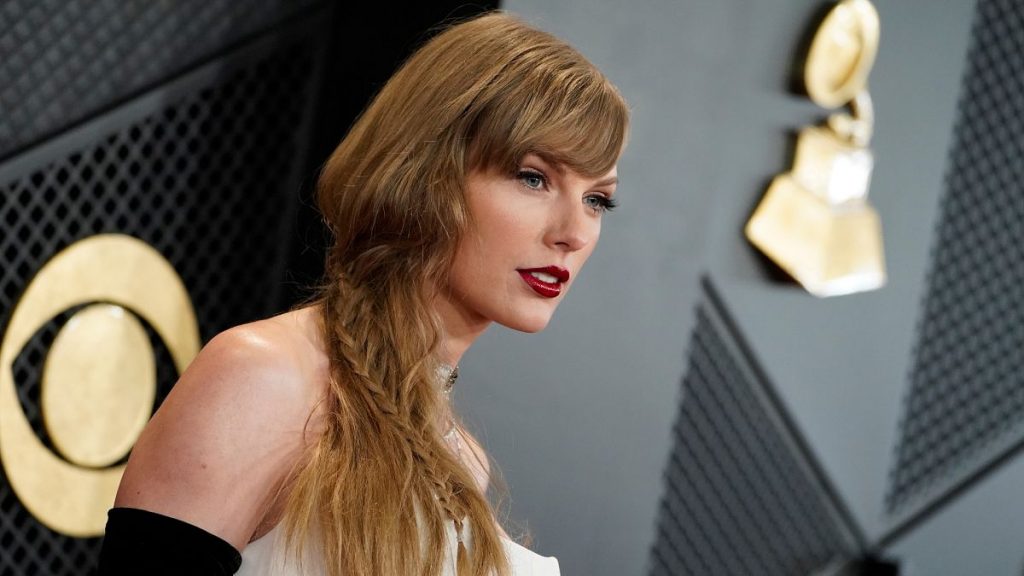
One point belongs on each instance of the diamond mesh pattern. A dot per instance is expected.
(62, 61)
(736, 499)
(209, 179)
(965, 403)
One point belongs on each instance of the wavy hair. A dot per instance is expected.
(380, 483)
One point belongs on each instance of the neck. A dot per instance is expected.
(460, 328)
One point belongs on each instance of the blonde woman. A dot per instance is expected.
(320, 441)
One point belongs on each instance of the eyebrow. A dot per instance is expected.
(560, 169)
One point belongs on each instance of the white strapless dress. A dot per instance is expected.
(266, 557)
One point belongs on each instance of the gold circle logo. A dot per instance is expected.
(99, 381)
(95, 405)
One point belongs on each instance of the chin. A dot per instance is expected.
(529, 324)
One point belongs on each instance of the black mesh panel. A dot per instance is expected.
(738, 499)
(67, 59)
(965, 403)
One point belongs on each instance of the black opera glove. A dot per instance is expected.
(142, 542)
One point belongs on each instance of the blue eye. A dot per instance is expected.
(600, 203)
(532, 179)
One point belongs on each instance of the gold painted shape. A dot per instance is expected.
(832, 168)
(115, 268)
(842, 53)
(815, 221)
(829, 250)
(858, 126)
(98, 385)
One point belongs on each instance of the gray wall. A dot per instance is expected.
(579, 416)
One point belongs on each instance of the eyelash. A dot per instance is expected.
(603, 203)
(523, 175)
(598, 202)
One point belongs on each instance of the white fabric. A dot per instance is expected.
(265, 557)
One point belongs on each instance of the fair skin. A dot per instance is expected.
(218, 452)
(545, 215)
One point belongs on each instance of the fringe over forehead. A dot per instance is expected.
(515, 90)
(545, 98)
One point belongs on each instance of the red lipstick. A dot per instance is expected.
(544, 284)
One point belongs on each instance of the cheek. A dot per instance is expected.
(500, 220)
(501, 235)
(477, 260)
(467, 263)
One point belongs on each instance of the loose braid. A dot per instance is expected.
(385, 407)
(424, 449)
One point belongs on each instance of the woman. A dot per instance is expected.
(321, 441)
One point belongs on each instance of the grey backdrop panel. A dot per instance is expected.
(206, 169)
(965, 405)
(62, 61)
(743, 495)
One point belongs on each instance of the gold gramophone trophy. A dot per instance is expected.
(815, 221)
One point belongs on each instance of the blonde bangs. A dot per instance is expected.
(558, 106)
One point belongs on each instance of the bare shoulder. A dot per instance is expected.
(230, 431)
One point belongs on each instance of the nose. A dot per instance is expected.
(572, 228)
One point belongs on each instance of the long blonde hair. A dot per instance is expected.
(479, 95)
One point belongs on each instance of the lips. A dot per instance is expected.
(545, 281)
